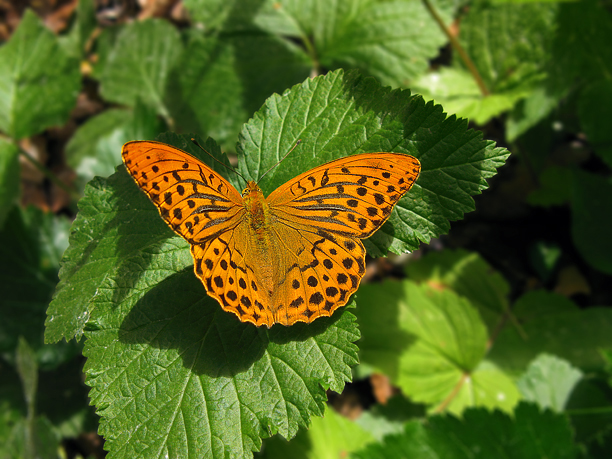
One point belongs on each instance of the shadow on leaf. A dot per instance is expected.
(177, 314)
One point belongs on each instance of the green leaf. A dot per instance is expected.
(549, 382)
(99, 244)
(431, 343)
(27, 367)
(468, 275)
(595, 114)
(574, 336)
(219, 384)
(82, 28)
(329, 437)
(33, 242)
(457, 91)
(230, 79)
(531, 110)
(95, 148)
(537, 304)
(580, 48)
(592, 219)
(9, 177)
(35, 440)
(382, 420)
(510, 46)
(530, 434)
(393, 41)
(39, 80)
(139, 65)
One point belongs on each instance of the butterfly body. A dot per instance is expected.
(291, 257)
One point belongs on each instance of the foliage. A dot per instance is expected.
(486, 365)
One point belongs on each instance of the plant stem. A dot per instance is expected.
(51, 176)
(457, 47)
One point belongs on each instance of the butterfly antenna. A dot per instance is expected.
(224, 165)
(281, 160)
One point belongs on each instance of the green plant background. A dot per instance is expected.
(494, 334)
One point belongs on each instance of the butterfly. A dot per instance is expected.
(291, 257)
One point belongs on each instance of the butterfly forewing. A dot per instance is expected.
(351, 196)
(195, 201)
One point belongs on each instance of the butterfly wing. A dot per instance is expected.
(317, 272)
(195, 201)
(350, 196)
(228, 266)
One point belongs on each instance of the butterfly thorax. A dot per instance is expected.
(256, 206)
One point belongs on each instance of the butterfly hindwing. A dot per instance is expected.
(195, 201)
(226, 266)
(351, 196)
(317, 272)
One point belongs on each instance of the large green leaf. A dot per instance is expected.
(468, 275)
(150, 328)
(39, 80)
(392, 41)
(431, 343)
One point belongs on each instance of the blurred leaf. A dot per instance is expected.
(9, 177)
(431, 343)
(530, 434)
(549, 382)
(589, 411)
(392, 41)
(330, 437)
(82, 28)
(510, 46)
(592, 219)
(468, 275)
(95, 148)
(139, 65)
(555, 187)
(595, 111)
(382, 420)
(28, 373)
(544, 257)
(581, 43)
(537, 304)
(39, 80)
(38, 442)
(574, 336)
(457, 91)
(33, 242)
(230, 79)
(531, 110)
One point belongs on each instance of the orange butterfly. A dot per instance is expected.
(291, 257)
